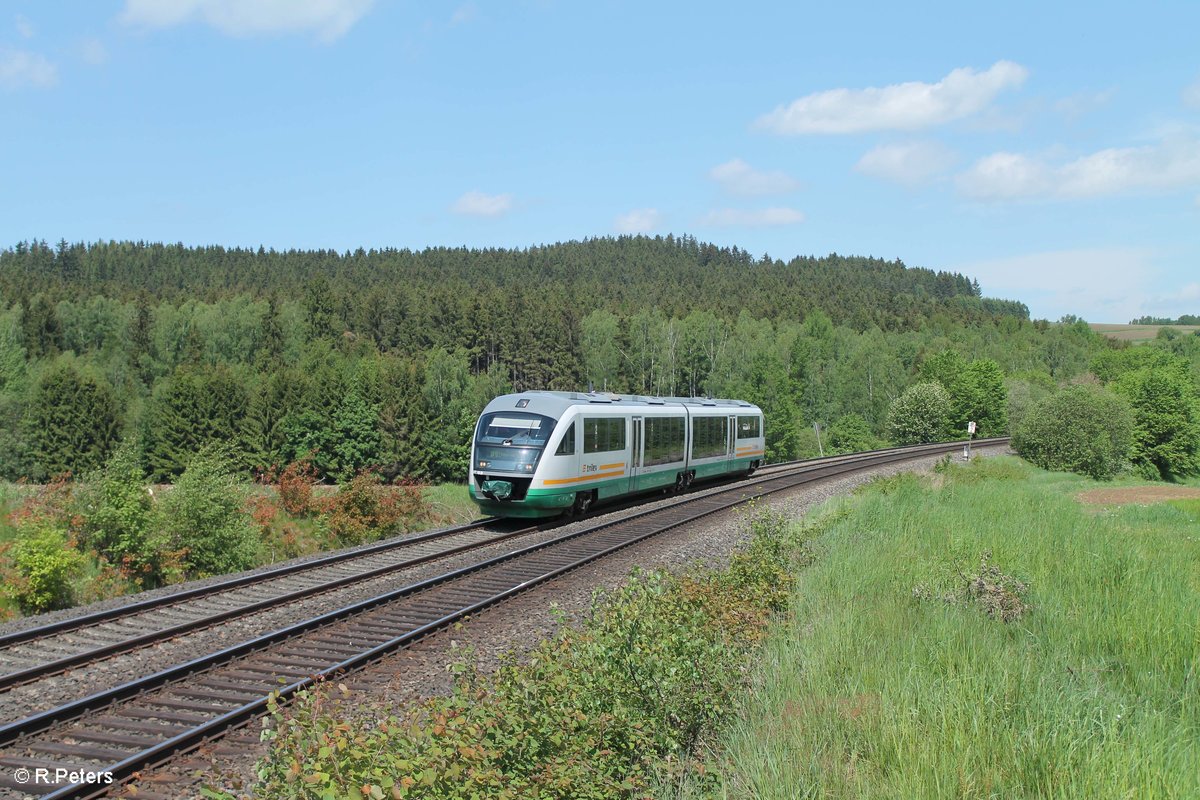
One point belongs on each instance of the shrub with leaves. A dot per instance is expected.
(851, 433)
(1081, 429)
(46, 566)
(921, 414)
(116, 507)
(364, 509)
(602, 711)
(295, 486)
(202, 517)
(1166, 420)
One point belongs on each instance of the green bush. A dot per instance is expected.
(1166, 420)
(921, 414)
(603, 711)
(47, 569)
(850, 434)
(201, 517)
(1081, 429)
(116, 521)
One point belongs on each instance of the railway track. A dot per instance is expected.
(36, 653)
(148, 720)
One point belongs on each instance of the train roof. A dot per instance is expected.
(554, 404)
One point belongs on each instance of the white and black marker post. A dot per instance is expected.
(970, 434)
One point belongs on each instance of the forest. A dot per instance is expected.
(382, 359)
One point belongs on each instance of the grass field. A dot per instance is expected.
(451, 503)
(1137, 333)
(982, 635)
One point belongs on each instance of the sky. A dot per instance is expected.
(1050, 150)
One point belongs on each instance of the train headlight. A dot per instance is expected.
(484, 464)
(529, 467)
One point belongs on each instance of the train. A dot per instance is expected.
(546, 454)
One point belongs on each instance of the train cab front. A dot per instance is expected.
(507, 449)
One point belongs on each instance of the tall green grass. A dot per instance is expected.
(451, 503)
(887, 680)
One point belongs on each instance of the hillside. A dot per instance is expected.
(383, 358)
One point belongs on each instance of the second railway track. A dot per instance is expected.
(146, 721)
(34, 653)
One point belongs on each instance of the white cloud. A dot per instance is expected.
(20, 68)
(746, 218)
(901, 106)
(478, 204)
(328, 19)
(93, 52)
(1191, 95)
(1081, 103)
(1011, 176)
(640, 220)
(738, 177)
(910, 164)
(24, 26)
(1100, 285)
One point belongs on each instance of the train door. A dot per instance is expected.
(635, 454)
(731, 440)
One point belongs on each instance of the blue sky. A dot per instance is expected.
(1050, 150)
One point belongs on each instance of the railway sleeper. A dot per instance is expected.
(172, 717)
(156, 729)
(277, 665)
(381, 628)
(129, 739)
(232, 685)
(230, 696)
(108, 755)
(313, 655)
(186, 705)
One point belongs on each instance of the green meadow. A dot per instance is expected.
(981, 634)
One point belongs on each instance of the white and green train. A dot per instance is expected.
(541, 454)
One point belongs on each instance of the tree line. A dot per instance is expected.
(383, 359)
(1184, 319)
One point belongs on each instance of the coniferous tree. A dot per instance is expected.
(72, 422)
(197, 407)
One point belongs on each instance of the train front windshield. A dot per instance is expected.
(511, 441)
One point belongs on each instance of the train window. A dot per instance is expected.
(748, 428)
(602, 435)
(664, 440)
(567, 446)
(710, 437)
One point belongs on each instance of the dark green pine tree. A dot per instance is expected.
(403, 425)
(270, 352)
(280, 394)
(43, 332)
(72, 423)
(140, 356)
(323, 322)
(194, 408)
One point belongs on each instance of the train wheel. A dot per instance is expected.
(583, 501)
